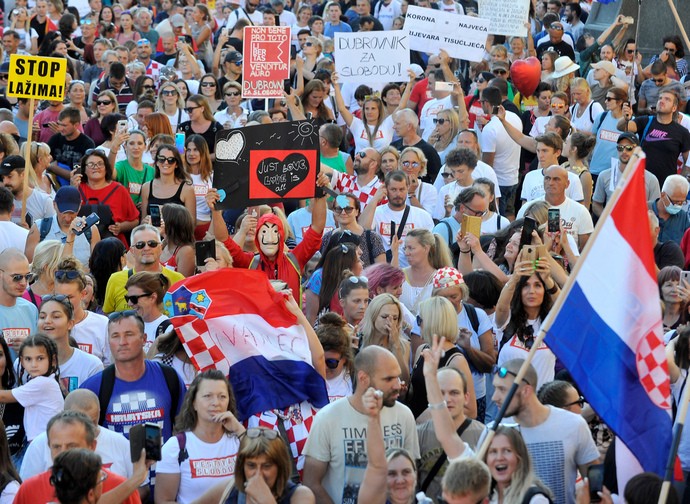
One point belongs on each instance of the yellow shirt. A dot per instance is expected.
(115, 290)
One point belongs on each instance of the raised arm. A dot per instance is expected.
(375, 476)
(344, 111)
(405, 98)
(317, 354)
(526, 142)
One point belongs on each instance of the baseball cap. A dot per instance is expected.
(500, 65)
(447, 277)
(177, 20)
(606, 66)
(418, 70)
(233, 56)
(632, 137)
(67, 199)
(11, 163)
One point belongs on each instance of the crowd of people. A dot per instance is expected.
(459, 204)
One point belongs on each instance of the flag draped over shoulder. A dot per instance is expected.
(608, 332)
(234, 321)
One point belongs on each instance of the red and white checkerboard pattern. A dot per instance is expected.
(653, 369)
(348, 184)
(203, 350)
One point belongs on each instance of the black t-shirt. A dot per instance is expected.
(668, 254)
(662, 143)
(69, 152)
(433, 160)
(562, 48)
(40, 29)
(209, 135)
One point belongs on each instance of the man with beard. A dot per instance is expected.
(364, 183)
(38, 204)
(335, 452)
(558, 441)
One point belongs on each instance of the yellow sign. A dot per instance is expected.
(37, 77)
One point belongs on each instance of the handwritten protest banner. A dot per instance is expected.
(505, 18)
(37, 77)
(372, 56)
(430, 31)
(266, 61)
(266, 163)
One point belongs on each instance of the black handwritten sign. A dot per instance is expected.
(266, 163)
(372, 56)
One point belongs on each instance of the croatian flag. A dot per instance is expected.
(608, 333)
(233, 320)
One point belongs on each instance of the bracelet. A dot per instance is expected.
(69, 241)
(465, 251)
(553, 289)
(440, 405)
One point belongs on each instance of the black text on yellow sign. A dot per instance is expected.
(37, 77)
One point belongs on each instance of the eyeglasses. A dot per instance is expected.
(190, 109)
(18, 277)
(556, 27)
(234, 93)
(169, 92)
(135, 298)
(413, 164)
(446, 175)
(163, 160)
(308, 44)
(441, 121)
(257, 432)
(104, 102)
(580, 402)
(67, 275)
(347, 210)
(500, 71)
(60, 298)
(474, 212)
(333, 363)
(208, 84)
(95, 166)
(141, 244)
(627, 148)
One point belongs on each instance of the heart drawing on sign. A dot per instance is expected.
(282, 176)
(231, 148)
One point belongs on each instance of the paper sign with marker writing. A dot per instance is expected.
(431, 30)
(37, 77)
(505, 18)
(266, 62)
(266, 163)
(372, 56)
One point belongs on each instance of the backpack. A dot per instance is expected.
(105, 392)
(47, 223)
(93, 205)
(534, 491)
(474, 322)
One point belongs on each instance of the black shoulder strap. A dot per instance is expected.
(591, 111)
(182, 441)
(130, 272)
(533, 491)
(46, 224)
(472, 315)
(450, 234)
(403, 221)
(601, 121)
(106, 390)
(172, 380)
(442, 459)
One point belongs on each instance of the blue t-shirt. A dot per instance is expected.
(144, 400)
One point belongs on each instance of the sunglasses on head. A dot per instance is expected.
(502, 372)
(60, 298)
(141, 244)
(332, 363)
(134, 299)
(556, 27)
(67, 275)
(358, 279)
(142, 42)
(628, 148)
(163, 159)
(18, 277)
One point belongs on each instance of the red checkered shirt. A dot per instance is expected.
(344, 183)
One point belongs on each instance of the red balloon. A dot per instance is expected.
(526, 75)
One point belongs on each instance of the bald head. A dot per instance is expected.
(84, 401)
(369, 358)
(11, 256)
(513, 366)
(8, 127)
(374, 155)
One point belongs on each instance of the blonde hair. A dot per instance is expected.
(420, 155)
(439, 317)
(46, 257)
(439, 253)
(370, 336)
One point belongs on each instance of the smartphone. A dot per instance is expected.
(393, 230)
(444, 86)
(179, 142)
(554, 220)
(494, 110)
(91, 220)
(153, 441)
(122, 127)
(471, 224)
(155, 213)
(595, 475)
(204, 250)
(685, 277)
(530, 253)
(526, 237)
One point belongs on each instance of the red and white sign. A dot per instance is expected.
(266, 61)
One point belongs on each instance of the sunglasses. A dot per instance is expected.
(627, 148)
(332, 363)
(124, 314)
(18, 277)
(502, 372)
(500, 71)
(257, 432)
(308, 44)
(558, 105)
(147, 86)
(134, 299)
(446, 175)
(347, 210)
(556, 27)
(163, 159)
(580, 402)
(208, 84)
(238, 62)
(479, 80)
(190, 109)
(361, 155)
(407, 164)
(236, 93)
(141, 244)
(104, 102)
(610, 98)
(441, 121)
(630, 51)
(169, 93)
(67, 275)
(668, 49)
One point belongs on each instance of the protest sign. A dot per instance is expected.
(266, 61)
(266, 163)
(372, 56)
(37, 77)
(431, 30)
(505, 18)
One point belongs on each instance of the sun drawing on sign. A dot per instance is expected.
(303, 132)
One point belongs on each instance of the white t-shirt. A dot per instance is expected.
(491, 225)
(427, 196)
(38, 205)
(150, 330)
(533, 186)
(78, 368)
(539, 126)
(338, 436)
(416, 219)
(429, 112)
(12, 235)
(382, 138)
(452, 190)
(575, 218)
(544, 361)
(91, 334)
(339, 387)
(495, 139)
(42, 399)
(201, 187)
(9, 493)
(585, 122)
(482, 170)
(207, 465)
(178, 117)
(387, 13)
(113, 448)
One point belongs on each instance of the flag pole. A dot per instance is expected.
(677, 431)
(636, 157)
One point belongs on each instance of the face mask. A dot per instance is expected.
(671, 208)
